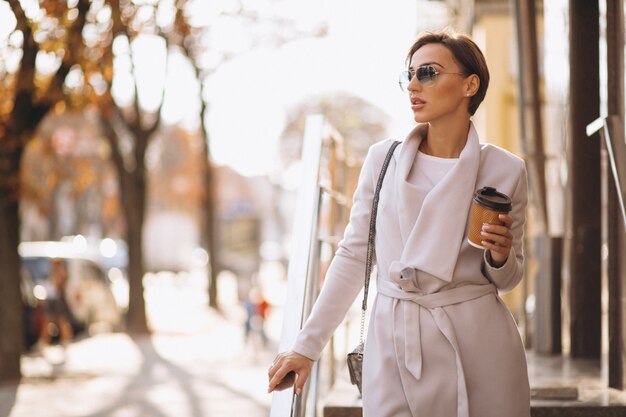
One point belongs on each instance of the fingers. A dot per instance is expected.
(277, 374)
(496, 242)
(495, 247)
(286, 382)
(289, 369)
(301, 380)
(498, 237)
(506, 220)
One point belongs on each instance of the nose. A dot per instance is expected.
(414, 84)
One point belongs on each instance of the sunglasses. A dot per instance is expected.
(426, 75)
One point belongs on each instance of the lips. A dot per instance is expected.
(417, 103)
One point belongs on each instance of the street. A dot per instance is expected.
(196, 364)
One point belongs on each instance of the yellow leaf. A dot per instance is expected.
(60, 107)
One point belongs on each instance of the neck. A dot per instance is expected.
(445, 141)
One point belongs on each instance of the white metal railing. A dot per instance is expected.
(321, 213)
(611, 130)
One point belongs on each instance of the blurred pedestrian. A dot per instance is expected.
(56, 319)
(441, 342)
(256, 307)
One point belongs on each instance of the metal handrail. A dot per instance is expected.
(611, 129)
(322, 186)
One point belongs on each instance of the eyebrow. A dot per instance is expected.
(426, 64)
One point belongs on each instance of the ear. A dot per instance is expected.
(471, 85)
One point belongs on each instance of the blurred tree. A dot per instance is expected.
(174, 210)
(67, 164)
(41, 50)
(124, 73)
(359, 122)
(188, 39)
(258, 24)
(63, 55)
(174, 170)
(130, 121)
(80, 42)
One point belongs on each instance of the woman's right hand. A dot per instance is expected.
(289, 368)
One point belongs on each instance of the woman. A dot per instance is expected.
(440, 341)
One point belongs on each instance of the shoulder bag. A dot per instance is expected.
(355, 358)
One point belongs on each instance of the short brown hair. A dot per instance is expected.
(465, 52)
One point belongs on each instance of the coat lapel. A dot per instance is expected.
(406, 208)
(433, 235)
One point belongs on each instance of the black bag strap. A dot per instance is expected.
(369, 259)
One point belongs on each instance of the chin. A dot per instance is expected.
(420, 119)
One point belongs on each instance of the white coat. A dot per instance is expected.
(440, 341)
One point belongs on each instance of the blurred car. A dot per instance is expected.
(88, 292)
(112, 256)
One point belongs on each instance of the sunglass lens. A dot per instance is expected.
(404, 80)
(426, 74)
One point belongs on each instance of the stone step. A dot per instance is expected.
(344, 401)
(578, 411)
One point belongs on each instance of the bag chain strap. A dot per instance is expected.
(369, 259)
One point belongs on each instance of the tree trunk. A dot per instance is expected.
(132, 183)
(133, 190)
(54, 215)
(11, 318)
(25, 117)
(211, 235)
(209, 205)
(24, 120)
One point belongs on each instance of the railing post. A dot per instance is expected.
(304, 235)
(614, 228)
(322, 193)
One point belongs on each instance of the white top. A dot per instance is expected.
(428, 170)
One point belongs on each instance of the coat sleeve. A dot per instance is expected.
(506, 277)
(345, 276)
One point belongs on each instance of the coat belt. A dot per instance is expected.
(407, 336)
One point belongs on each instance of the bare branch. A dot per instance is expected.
(73, 50)
(107, 126)
(20, 15)
(26, 73)
(136, 123)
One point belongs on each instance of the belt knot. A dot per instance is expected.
(405, 276)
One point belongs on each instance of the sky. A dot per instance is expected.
(362, 55)
(249, 97)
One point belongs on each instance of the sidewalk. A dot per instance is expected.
(194, 365)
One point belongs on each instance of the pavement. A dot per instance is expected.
(196, 363)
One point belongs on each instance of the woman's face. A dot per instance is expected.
(443, 96)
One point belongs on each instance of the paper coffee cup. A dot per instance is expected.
(487, 204)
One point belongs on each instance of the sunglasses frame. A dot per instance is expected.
(426, 75)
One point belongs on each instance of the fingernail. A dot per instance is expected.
(298, 391)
